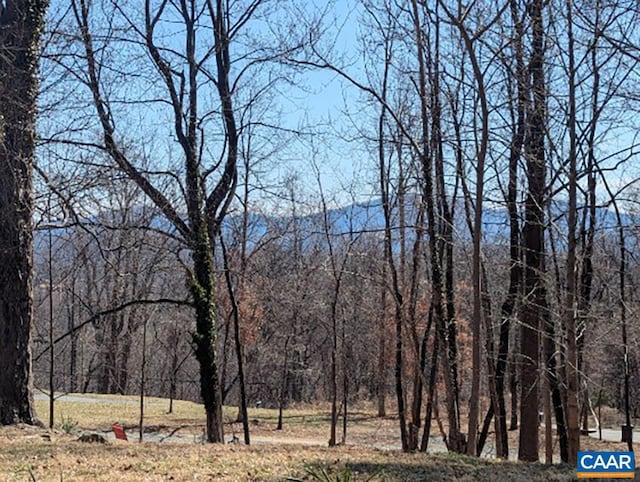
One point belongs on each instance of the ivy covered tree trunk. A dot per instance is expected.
(203, 292)
(21, 22)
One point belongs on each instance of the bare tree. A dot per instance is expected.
(572, 412)
(476, 229)
(207, 184)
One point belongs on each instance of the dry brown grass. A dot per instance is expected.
(25, 453)
(97, 416)
(30, 453)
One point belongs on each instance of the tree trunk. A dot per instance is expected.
(122, 373)
(572, 382)
(381, 367)
(21, 23)
(476, 233)
(533, 245)
(433, 372)
(334, 378)
(550, 355)
(174, 375)
(345, 387)
(203, 293)
(513, 390)
(398, 298)
(242, 413)
(282, 398)
(445, 324)
(515, 268)
(73, 355)
(587, 234)
(622, 274)
(419, 345)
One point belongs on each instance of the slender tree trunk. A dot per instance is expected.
(73, 355)
(628, 436)
(283, 384)
(548, 432)
(420, 347)
(334, 377)
(238, 343)
(345, 386)
(589, 221)
(515, 268)
(337, 277)
(143, 369)
(550, 364)
(476, 232)
(122, 372)
(573, 385)
(627, 433)
(484, 431)
(52, 351)
(444, 323)
(388, 259)
(513, 391)
(533, 245)
(431, 389)
(494, 407)
(381, 387)
(174, 375)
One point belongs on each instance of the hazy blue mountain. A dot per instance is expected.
(358, 218)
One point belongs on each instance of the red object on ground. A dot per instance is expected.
(119, 432)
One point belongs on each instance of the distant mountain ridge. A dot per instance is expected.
(368, 217)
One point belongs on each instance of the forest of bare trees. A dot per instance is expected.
(451, 234)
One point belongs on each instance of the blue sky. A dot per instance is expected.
(320, 102)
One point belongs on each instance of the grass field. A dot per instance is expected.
(32, 453)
